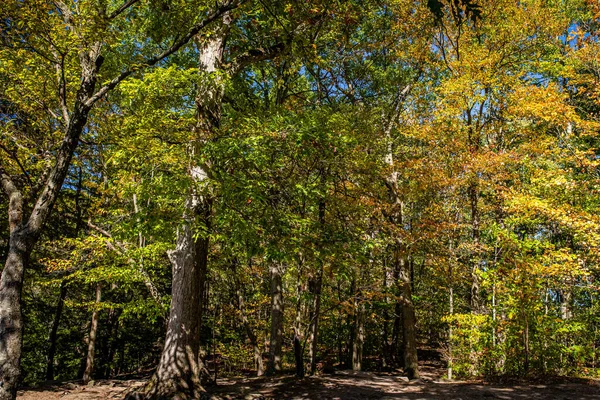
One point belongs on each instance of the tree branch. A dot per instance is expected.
(123, 7)
(7, 184)
(121, 250)
(230, 5)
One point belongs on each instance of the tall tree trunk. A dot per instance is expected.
(351, 324)
(180, 367)
(475, 223)
(401, 269)
(276, 342)
(451, 312)
(54, 330)
(411, 365)
(11, 324)
(298, 348)
(359, 332)
(314, 323)
(91, 352)
(24, 235)
(178, 372)
(385, 343)
(317, 286)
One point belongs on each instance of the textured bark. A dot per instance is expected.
(401, 268)
(298, 348)
(181, 366)
(314, 325)
(178, 372)
(411, 365)
(11, 324)
(54, 331)
(91, 352)
(359, 338)
(316, 309)
(475, 300)
(276, 341)
(24, 235)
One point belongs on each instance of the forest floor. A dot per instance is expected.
(346, 385)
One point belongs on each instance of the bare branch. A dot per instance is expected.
(123, 7)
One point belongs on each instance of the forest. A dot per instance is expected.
(194, 190)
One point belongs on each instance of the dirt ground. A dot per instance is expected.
(344, 385)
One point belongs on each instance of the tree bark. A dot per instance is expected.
(411, 365)
(298, 348)
(314, 326)
(91, 352)
(276, 341)
(317, 286)
(11, 324)
(178, 372)
(54, 331)
(359, 338)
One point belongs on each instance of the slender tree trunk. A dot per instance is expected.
(359, 339)
(402, 273)
(314, 323)
(111, 344)
(351, 323)
(411, 365)
(298, 348)
(276, 342)
(91, 352)
(11, 323)
(54, 331)
(473, 200)
(318, 285)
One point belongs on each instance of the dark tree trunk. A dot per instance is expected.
(11, 324)
(298, 356)
(178, 372)
(318, 284)
(314, 323)
(359, 338)
(91, 352)
(411, 365)
(276, 341)
(54, 330)
(351, 323)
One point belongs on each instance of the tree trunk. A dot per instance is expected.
(359, 338)
(91, 352)
(180, 367)
(178, 372)
(298, 348)
(276, 342)
(475, 300)
(314, 323)
(411, 365)
(317, 286)
(11, 324)
(54, 331)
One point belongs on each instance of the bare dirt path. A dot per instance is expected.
(344, 385)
